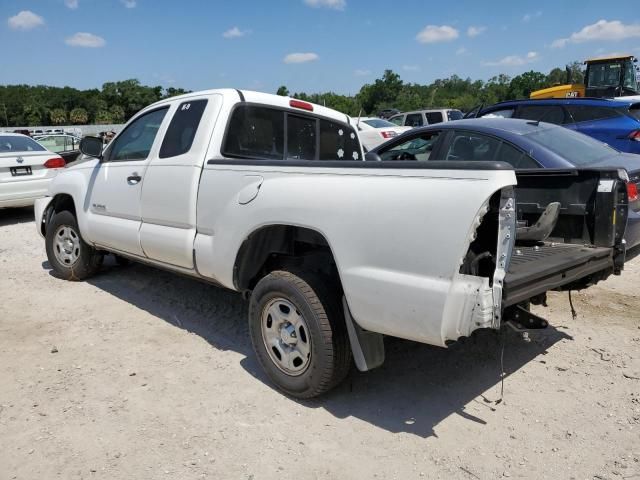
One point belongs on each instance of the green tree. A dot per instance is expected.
(522, 85)
(117, 114)
(103, 117)
(58, 116)
(79, 116)
(283, 91)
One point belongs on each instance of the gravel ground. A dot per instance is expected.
(141, 374)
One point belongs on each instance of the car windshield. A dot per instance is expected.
(604, 75)
(19, 144)
(454, 115)
(574, 147)
(378, 123)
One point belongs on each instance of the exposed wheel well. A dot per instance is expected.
(60, 203)
(277, 246)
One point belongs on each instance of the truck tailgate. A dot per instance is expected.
(535, 269)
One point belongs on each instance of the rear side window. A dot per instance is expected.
(182, 129)
(434, 117)
(515, 157)
(585, 113)
(259, 132)
(472, 146)
(255, 132)
(543, 113)
(414, 120)
(301, 138)
(338, 142)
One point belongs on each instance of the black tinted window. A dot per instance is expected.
(584, 113)
(454, 115)
(542, 113)
(135, 142)
(182, 129)
(255, 132)
(515, 157)
(338, 142)
(301, 138)
(472, 146)
(434, 117)
(414, 120)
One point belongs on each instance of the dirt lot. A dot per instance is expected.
(140, 374)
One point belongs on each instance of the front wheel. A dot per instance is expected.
(70, 256)
(298, 333)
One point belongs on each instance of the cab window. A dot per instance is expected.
(135, 142)
(414, 120)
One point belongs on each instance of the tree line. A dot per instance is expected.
(390, 91)
(116, 102)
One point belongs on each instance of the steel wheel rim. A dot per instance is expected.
(66, 245)
(286, 336)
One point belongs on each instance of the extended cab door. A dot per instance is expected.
(114, 192)
(170, 188)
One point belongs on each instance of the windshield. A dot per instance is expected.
(604, 75)
(454, 115)
(19, 144)
(378, 123)
(574, 147)
(629, 79)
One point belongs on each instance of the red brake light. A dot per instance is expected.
(300, 104)
(632, 192)
(55, 162)
(388, 134)
(635, 135)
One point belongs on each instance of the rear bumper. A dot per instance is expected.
(23, 193)
(533, 271)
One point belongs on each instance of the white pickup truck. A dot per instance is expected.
(271, 197)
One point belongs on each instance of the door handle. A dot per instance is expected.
(134, 179)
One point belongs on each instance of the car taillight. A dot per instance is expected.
(55, 162)
(632, 192)
(388, 134)
(301, 104)
(635, 135)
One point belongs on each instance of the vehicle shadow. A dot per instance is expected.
(11, 216)
(416, 388)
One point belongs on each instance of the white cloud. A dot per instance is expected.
(602, 30)
(334, 4)
(531, 16)
(25, 20)
(87, 40)
(300, 57)
(72, 4)
(461, 51)
(129, 3)
(437, 33)
(361, 73)
(474, 31)
(513, 60)
(235, 32)
(411, 68)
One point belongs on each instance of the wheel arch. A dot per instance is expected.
(59, 203)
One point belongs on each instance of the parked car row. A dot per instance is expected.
(446, 229)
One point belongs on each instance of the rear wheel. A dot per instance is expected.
(298, 333)
(70, 256)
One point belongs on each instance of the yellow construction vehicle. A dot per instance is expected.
(606, 77)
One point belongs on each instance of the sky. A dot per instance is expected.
(306, 45)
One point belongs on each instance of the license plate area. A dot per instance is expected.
(20, 171)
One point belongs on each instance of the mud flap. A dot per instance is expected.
(367, 347)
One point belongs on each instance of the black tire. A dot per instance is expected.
(88, 259)
(320, 306)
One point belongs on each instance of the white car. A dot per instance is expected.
(26, 168)
(374, 131)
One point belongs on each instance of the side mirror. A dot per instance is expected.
(91, 147)
(372, 157)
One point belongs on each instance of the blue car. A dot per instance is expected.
(522, 143)
(614, 122)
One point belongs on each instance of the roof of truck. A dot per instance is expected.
(263, 98)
